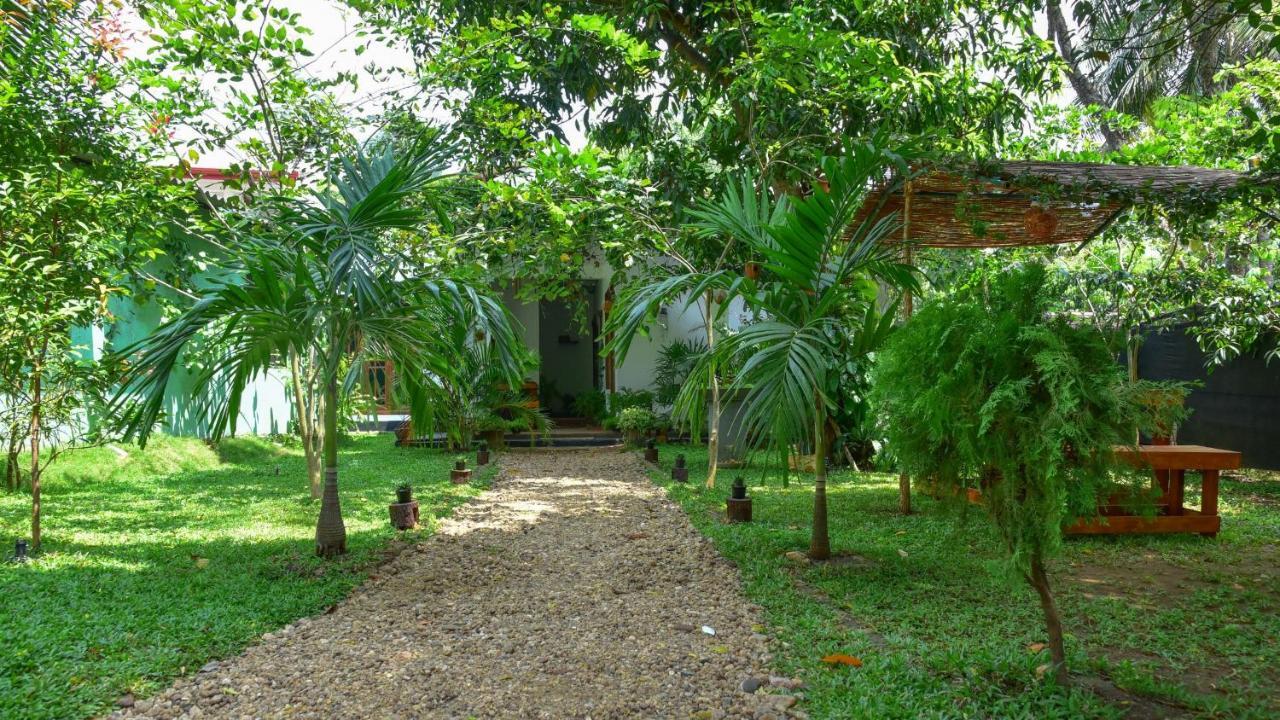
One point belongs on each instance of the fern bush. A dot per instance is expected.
(989, 386)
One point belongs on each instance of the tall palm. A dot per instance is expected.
(1139, 51)
(816, 260)
(331, 288)
(738, 212)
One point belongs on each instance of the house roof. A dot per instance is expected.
(1010, 204)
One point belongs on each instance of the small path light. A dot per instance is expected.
(20, 552)
(738, 505)
(460, 475)
(680, 473)
(651, 451)
(482, 454)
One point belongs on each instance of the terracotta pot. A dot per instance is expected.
(404, 433)
(497, 439)
(1040, 222)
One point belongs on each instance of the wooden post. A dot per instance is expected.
(1177, 488)
(908, 306)
(1209, 492)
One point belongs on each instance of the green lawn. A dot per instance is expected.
(123, 600)
(1174, 626)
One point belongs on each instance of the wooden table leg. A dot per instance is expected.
(1162, 479)
(1209, 492)
(1177, 487)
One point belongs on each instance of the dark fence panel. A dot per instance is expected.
(1236, 408)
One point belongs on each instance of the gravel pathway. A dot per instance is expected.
(571, 589)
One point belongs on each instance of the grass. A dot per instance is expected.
(1159, 626)
(159, 562)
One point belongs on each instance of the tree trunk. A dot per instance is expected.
(36, 389)
(12, 470)
(1084, 88)
(820, 543)
(1053, 624)
(331, 534)
(713, 436)
(306, 428)
(908, 309)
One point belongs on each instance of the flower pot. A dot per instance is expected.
(404, 496)
(651, 454)
(1040, 222)
(404, 433)
(680, 473)
(482, 457)
(633, 438)
(404, 516)
(496, 439)
(460, 475)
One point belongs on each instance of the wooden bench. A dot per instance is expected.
(1170, 464)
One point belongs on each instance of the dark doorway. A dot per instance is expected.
(569, 331)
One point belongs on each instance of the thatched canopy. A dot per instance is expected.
(1038, 203)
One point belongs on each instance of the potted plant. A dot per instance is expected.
(404, 433)
(493, 429)
(680, 473)
(662, 425)
(651, 451)
(635, 423)
(482, 453)
(1163, 408)
(404, 511)
(460, 475)
(738, 505)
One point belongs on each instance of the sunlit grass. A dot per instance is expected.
(156, 563)
(1184, 622)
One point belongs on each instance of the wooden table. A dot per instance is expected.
(1170, 464)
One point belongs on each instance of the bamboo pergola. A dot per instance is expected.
(1016, 204)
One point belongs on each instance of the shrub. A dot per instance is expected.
(637, 420)
(988, 384)
(591, 405)
(624, 398)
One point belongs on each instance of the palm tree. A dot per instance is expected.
(738, 212)
(818, 257)
(329, 287)
(1128, 54)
